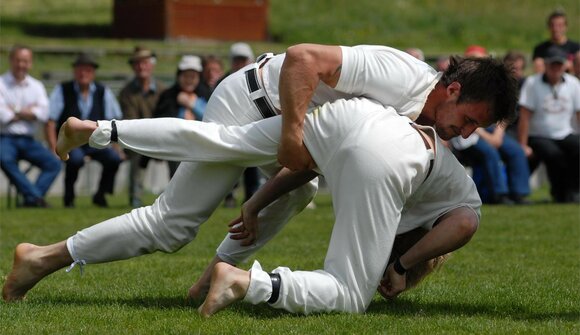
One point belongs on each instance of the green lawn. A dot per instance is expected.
(520, 274)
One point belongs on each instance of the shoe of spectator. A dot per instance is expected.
(520, 200)
(99, 200)
(501, 199)
(37, 203)
(573, 197)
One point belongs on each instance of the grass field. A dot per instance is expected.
(519, 275)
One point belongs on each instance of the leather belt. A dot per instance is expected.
(257, 93)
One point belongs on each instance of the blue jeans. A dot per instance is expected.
(15, 148)
(492, 162)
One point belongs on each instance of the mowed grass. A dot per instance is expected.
(519, 275)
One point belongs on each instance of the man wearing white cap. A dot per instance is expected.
(181, 100)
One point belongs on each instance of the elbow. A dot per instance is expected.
(466, 227)
(299, 53)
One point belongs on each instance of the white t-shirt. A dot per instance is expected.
(389, 76)
(552, 106)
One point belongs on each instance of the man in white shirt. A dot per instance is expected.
(23, 106)
(548, 103)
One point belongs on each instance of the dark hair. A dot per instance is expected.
(485, 80)
(17, 47)
(556, 14)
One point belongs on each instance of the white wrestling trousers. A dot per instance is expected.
(372, 159)
(194, 192)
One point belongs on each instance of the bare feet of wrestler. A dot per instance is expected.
(198, 291)
(228, 285)
(72, 134)
(31, 264)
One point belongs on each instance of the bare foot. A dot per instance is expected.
(197, 292)
(72, 134)
(228, 285)
(31, 264)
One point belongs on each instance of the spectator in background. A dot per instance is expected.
(182, 99)
(241, 54)
(417, 53)
(491, 152)
(24, 105)
(517, 61)
(138, 99)
(85, 99)
(576, 65)
(442, 63)
(558, 26)
(548, 102)
(213, 71)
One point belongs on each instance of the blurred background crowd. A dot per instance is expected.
(501, 159)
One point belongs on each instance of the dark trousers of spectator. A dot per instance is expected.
(562, 160)
(251, 185)
(108, 158)
(15, 148)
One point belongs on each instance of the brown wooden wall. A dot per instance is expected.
(214, 19)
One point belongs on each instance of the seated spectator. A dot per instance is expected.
(182, 99)
(500, 166)
(213, 71)
(23, 106)
(558, 26)
(517, 61)
(86, 99)
(547, 103)
(138, 99)
(491, 152)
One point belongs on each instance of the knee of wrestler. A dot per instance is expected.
(172, 230)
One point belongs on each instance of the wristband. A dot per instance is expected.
(398, 267)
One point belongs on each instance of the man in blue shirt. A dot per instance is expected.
(86, 99)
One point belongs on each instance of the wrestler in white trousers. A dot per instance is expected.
(373, 161)
(191, 196)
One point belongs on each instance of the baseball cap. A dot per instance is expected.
(475, 51)
(141, 53)
(85, 59)
(190, 62)
(555, 55)
(241, 49)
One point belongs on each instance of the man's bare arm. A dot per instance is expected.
(283, 182)
(305, 65)
(452, 232)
